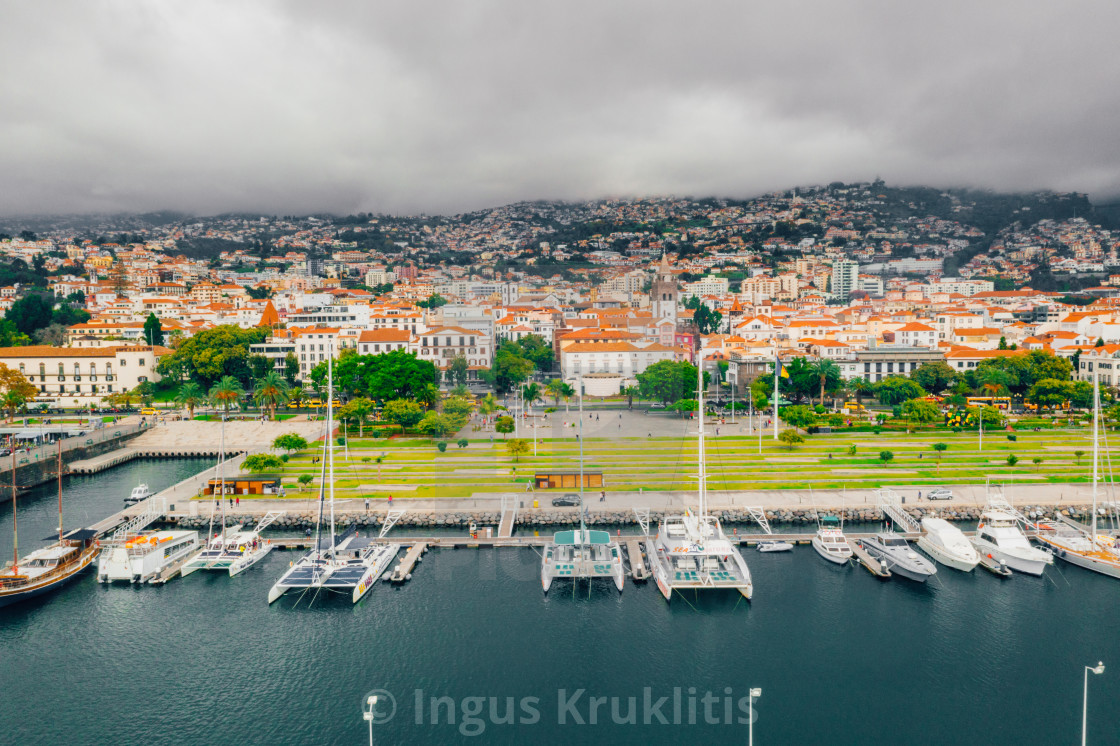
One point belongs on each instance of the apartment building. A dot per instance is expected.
(87, 374)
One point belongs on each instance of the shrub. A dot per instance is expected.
(875, 430)
(284, 457)
(1012, 460)
(463, 443)
(852, 449)
(442, 446)
(1013, 438)
(340, 440)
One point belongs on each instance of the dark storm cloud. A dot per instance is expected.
(446, 106)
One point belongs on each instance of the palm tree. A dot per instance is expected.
(567, 392)
(226, 392)
(861, 387)
(488, 405)
(427, 396)
(11, 402)
(190, 396)
(271, 391)
(630, 392)
(555, 389)
(823, 369)
(530, 393)
(296, 395)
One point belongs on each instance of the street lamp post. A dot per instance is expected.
(1097, 669)
(750, 720)
(368, 715)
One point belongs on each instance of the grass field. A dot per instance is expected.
(415, 468)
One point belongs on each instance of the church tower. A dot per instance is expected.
(663, 293)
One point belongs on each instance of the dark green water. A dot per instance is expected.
(840, 657)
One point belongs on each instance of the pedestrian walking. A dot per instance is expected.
(367, 504)
(239, 501)
(390, 501)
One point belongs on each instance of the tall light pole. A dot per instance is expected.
(368, 715)
(1097, 669)
(750, 720)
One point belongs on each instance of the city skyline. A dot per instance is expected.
(442, 109)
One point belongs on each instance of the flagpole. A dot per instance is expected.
(777, 370)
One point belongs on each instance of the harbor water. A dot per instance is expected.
(471, 651)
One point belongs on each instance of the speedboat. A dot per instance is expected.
(948, 545)
(774, 545)
(138, 558)
(138, 494)
(830, 541)
(1000, 537)
(895, 552)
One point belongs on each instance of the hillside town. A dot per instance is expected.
(874, 281)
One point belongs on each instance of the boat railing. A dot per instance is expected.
(64, 568)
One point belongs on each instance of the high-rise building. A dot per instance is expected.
(845, 278)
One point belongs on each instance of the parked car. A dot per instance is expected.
(569, 500)
(657, 405)
(940, 494)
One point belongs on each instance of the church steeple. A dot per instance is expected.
(663, 292)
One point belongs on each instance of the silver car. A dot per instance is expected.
(940, 494)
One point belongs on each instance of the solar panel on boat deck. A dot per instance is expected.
(300, 576)
(346, 576)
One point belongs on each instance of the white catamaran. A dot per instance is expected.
(691, 550)
(1082, 545)
(342, 564)
(232, 549)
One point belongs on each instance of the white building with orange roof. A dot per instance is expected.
(916, 334)
(626, 359)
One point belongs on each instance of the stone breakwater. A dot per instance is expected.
(528, 518)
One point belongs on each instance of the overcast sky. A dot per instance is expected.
(421, 106)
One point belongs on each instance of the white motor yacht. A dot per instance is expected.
(139, 558)
(830, 541)
(948, 545)
(138, 494)
(1001, 537)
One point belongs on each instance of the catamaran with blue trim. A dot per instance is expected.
(691, 551)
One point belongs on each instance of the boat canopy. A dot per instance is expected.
(570, 538)
(76, 534)
(830, 520)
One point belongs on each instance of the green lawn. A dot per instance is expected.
(417, 469)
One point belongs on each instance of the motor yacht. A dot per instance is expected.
(899, 557)
(830, 541)
(1000, 536)
(948, 545)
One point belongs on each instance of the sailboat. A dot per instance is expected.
(343, 564)
(582, 553)
(46, 569)
(232, 549)
(691, 550)
(1083, 545)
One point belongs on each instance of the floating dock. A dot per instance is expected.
(865, 558)
(403, 571)
(994, 566)
(638, 569)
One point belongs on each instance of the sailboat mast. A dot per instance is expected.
(330, 435)
(1096, 449)
(700, 402)
(60, 490)
(222, 477)
(15, 519)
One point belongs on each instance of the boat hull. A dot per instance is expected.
(35, 590)
(939, 553)
(1014, 561)
(1104, 567)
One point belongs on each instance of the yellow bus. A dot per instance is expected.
(999, 402)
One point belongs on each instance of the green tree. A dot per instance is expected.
(435, 300)
(791, 438)
(271, 391)
(390, 375)
(153, 331)
(505, 425)
(1050, 392)
(358, 410)
(828, 375)
(940, 448)
(707, 321)
(291, 368)
(457, 370)
(30, 313)
(304, 480)
(683, 406)
(886, 456)
(1012, 460)
(934, 377)
(897, 389)
(530, 394)
(554, 388)
(860, 387)
(404, 412)
(798, 416)
(1036, 461)
(517, 447)
(226, 392)
(435, 425)
(427, 395)
(630, 392)
(256, 463)
(212, 354)
(259, 366)
(1079, 454)
(190, 395)
(290, 442)
(488, 405)
(921, 411)
(668, 381)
